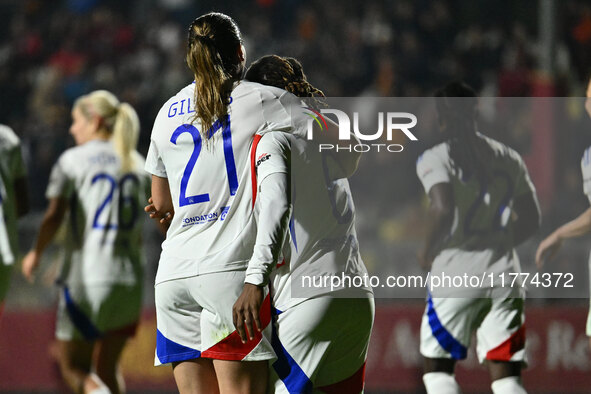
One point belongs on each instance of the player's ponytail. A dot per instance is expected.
(126, 132)
(213, 57)
(118, 121)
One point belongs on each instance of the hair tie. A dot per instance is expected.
(205, 39)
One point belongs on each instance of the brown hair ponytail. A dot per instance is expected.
(213, 57)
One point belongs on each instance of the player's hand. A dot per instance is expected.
(30, 264)
(547, 249)
(246, 310)
(164, 218)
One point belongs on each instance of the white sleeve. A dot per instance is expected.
(154, 164)
(432, 169)
(273, 155)
(59, 184)
(274, 207)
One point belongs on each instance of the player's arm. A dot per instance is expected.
(54, 215)
(272, 226)
(160, 206)
(160, 203)
(575, 228)
(441, 214)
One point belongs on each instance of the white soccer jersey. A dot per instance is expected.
(322, 241)
(11, 168)
(211, 181)
(103, 242)
(483, 208)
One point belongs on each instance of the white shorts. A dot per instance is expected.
(194, 319)
(321, 344)
(499, 322)
(90, 312)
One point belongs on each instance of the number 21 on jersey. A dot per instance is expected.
(197, 142)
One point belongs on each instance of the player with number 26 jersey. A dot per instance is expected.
(105, 222)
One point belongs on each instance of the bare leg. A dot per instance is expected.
(195, 377)
(75, 358)
(502, 369)
(244, 377)
(108, 353)
(446, 365)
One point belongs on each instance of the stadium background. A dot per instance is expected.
(53, 51)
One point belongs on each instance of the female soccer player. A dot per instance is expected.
(482, 205)
(201, 170)
(100, 183)
(576, 227)
(322, 334)
(14, 203)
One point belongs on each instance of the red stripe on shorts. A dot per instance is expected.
(253, 169)
(353, 384)
(507, 349)
(231, 347)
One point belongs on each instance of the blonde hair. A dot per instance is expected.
(212, 56)
(118, 120)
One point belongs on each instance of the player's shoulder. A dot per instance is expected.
(268, 95)
(247, 87)
(278, 138)
(502, 150)
(178, 103)
(77, 155)
(8, 138)
(437, 153)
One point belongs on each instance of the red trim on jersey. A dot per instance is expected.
(281, 264)
(231, 347)
(512, 345)
(253, 169)
(353, 384)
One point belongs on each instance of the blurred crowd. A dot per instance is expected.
(52, 52)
